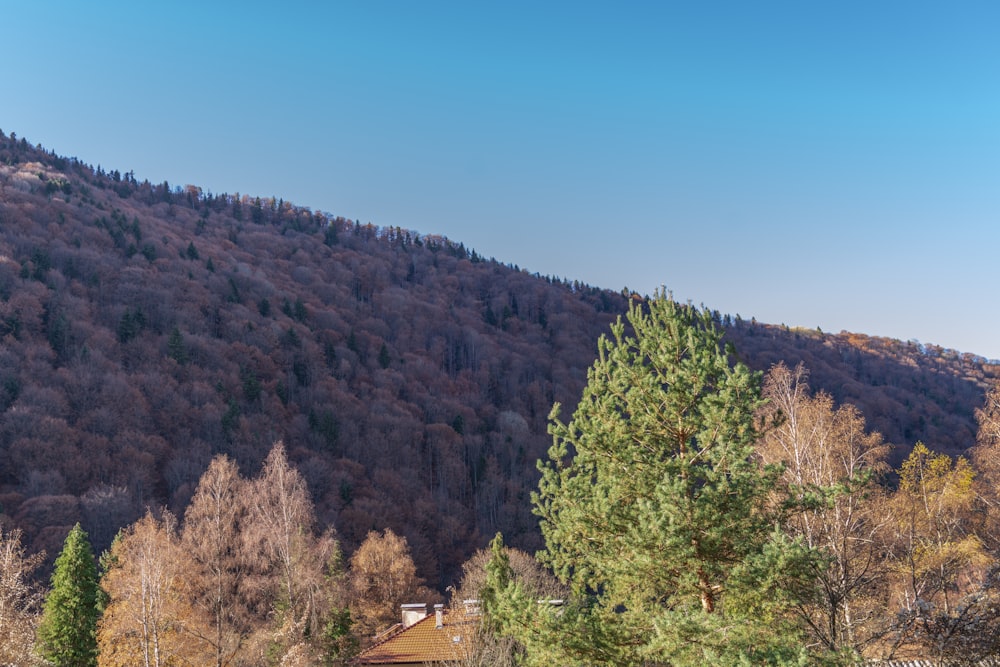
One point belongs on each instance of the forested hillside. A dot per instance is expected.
(908, 391)
(147, 328)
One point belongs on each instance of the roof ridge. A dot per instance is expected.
(389, 633)
(392, 632)
(448, 643)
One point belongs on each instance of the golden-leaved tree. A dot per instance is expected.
(936, 530)
(247, 581)
(940, 563)
(382, 576)
(150, 619)
(211, 535)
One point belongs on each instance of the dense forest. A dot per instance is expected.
(148, 328)
(698, 520)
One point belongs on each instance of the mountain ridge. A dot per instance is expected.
(147, 328)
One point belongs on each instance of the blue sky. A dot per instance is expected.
(813, 164)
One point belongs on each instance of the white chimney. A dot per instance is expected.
(439, 616)
(413, 612)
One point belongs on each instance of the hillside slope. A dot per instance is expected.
(146, 329)
(907, 391)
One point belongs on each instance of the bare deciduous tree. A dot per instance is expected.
(20, 602)
(280, 520)
(537, 581)
(988, 418)
(290, 562)
(986, 458)
(830, 464)
(211, 536)
(481, 646)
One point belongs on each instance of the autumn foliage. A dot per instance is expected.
(245, 579)
(156, 341)
(147, 329)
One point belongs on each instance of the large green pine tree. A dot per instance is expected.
(67, 634)
(655, 511)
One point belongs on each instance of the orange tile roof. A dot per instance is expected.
(422, 642)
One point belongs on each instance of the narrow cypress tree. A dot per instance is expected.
(176, 348)
(67, 634)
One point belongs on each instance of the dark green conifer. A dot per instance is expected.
(67, 634)
(176, 348)
(656, 512)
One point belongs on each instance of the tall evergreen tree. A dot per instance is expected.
(176, 348)
(656, 513)
(67, 634)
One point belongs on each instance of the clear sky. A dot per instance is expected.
(830, 164)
